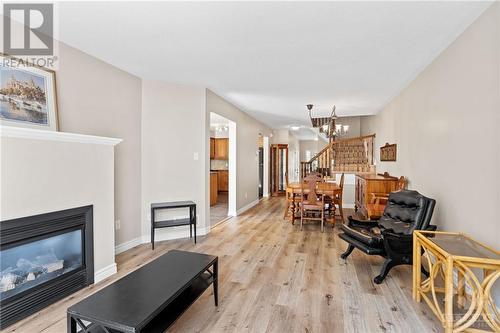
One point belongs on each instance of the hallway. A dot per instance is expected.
(276, 278)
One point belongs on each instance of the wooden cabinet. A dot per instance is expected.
(366, 184)
(212, 148)
(214, 189)
(221, 149)
(223, 180)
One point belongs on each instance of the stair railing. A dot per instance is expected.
(347, 155)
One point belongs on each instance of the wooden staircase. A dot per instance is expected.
(348, 155)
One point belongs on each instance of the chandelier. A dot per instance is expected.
(327, 125)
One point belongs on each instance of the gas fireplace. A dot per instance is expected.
(43, 258)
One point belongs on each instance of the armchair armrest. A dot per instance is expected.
(362, 223)
(431, 227)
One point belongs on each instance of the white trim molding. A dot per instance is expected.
(247, 207)
(36, 134)
(105, 272)
(128, 245)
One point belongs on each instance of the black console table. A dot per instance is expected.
(149, 299)
(191, 220)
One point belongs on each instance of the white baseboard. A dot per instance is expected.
(174, 233)
(105, 272)
(128, 245)
(247, 207)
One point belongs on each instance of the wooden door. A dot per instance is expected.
(279, 169)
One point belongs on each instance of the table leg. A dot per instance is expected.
(460, 289)
(291, 208)
(417, 268)
(216, 282)
(448, 296)
(152, 229)
(194, 222)
(71, 324)
(190, 222)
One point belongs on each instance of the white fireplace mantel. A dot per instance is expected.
(45, 171)
(30, 133)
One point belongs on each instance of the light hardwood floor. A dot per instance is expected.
(276, 278)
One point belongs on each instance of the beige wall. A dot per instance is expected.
(354, 126)
(32, 182)
(173, 130)
(99, 99)
(446, 125)
(247, 136)
(310, 145)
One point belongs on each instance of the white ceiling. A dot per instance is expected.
(273, 58)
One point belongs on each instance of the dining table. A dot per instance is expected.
(295, 189)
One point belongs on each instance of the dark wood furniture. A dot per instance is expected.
(149, 299)
(191, 220)
(367, 183)
(391, 235)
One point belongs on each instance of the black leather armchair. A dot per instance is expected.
(391, 235)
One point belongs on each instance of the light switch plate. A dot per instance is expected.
(196, 156)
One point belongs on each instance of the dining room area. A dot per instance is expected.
(315, 198)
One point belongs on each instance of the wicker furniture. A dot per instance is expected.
(449, 252)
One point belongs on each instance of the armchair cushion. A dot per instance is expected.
(405, 211)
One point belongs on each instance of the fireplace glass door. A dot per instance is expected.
(29, 264)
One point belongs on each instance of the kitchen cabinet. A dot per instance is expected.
(214, 188)
(223, 180)
(212, 148)
(221, 149)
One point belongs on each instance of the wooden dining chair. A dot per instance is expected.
(312, 203)
(331, 202)
(292, 201)
(337, 199)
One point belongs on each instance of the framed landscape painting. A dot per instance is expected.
(27, 95)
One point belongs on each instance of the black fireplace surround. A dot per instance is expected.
(44, 258)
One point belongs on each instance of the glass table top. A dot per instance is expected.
(460, 245)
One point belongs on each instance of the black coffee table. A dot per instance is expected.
(149, 299)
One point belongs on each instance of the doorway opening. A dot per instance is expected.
(222, 168)
(279, 169)
(261, 166)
